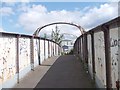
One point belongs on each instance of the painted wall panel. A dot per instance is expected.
(8, 58)
(36, 51)
(50, 49)
(100, 68)
(115, 42)
(90, 68)
(41, 50)
(1, 59)
(46, 49)
(24, 58)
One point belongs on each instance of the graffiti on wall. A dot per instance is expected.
(7, 58)
(115, 43)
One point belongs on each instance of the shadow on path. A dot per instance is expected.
(66, 72)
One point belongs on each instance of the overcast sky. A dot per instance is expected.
(26, 17)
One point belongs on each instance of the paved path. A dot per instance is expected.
(66, 72)
(33, 77)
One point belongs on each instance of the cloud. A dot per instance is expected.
(96, 16)
(1, 29)
(37, 15)
(6, 11)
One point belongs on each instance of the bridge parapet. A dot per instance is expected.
(99, 50)
(21, 53)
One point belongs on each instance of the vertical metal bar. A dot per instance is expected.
(107, 57)
(77, 46)
(51, 49)
(58, 50)
(39, 52)
(86, 52)
(48, 49)
(83, 48)
(32, 53)
(17, 58)
(44, 49)
(55, 49)
(80, 47)
(93, 55)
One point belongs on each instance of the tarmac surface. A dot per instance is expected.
(33, 77)
(66, 72)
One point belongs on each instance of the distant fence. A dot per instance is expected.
(21, 53)
(99, 50)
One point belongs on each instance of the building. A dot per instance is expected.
(67, 45)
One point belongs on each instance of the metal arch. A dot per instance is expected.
(39, 29)
(70, 34)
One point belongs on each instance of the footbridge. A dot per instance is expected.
(29, 61)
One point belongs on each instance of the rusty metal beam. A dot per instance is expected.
(32, 53)
(48, 49)
(44, 50)
(107, 57)
(17, 58)
(93, 54)
(39, 53)
(40, 28)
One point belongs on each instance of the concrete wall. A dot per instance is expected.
(103, 53)
(115, 42)
(100, 69)
(19, 54)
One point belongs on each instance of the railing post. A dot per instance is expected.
(80, 48)
(32, 53)
(17, 58)
(85, 51)
(55, 50)
(93, 55)
(58, 50)
(44, 49)
(51, 49)
(107, 57)
(48, 49)
(39, 53)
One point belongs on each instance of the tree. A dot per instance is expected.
(56, 36)
(45, 35)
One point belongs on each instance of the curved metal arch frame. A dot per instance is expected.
(36, 33)
(70, 34)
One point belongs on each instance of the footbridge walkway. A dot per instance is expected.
(34, 62)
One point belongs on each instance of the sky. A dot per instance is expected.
(25, 17)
